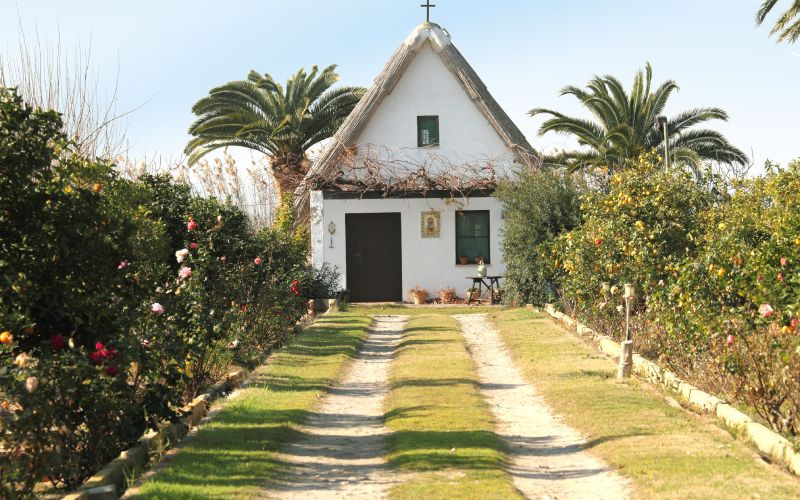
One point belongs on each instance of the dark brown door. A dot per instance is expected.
(374, 259)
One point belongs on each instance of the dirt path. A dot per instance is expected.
(342, 451)
(547, 459)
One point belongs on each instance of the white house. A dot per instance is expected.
(402, 194)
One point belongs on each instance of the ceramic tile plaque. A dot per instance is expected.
(431, 224)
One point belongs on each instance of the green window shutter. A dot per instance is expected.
(472, 235)
(427, 131)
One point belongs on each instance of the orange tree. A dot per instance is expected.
(732, 311)
(635, 232)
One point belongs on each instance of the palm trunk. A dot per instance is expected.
(288, 170)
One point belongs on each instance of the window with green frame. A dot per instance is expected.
(472, 235)
(427, 131)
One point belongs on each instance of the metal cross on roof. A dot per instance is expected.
(428, 6)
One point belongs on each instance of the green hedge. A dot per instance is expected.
(715, 266)
(119, 300)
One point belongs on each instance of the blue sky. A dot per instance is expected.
(170, 53)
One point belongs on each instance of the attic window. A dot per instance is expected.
(427, 131)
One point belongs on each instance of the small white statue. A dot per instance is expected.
(481, 269)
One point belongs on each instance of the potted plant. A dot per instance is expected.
(318, 285)
(447, 295)
(463, 260)
(418, 295)
(473, 293)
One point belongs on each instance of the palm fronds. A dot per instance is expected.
(281, 122)
(787, 26)
(625, 126)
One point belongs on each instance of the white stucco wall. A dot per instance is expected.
(427, 87)
(427, 262)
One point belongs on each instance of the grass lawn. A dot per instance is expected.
(232, 456)
(442, 430)
(665, 451)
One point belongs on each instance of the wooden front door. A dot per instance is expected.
(374, 258)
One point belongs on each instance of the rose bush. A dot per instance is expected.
(730, 314)
(120, 300)
(715, 267)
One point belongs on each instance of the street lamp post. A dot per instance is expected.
(626, 354)
(662, 122)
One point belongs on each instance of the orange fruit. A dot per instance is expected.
(6, 337)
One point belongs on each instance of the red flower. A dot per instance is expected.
(193, 245)
(598, 241)
(780, 276)
(794, 322)
(57, 342)
(729, 340)
(784, 261)
(111, 370)
(295, 287)
(96, 357)
(98, 346)
(191, 225)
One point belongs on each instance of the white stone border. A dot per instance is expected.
(769, 443)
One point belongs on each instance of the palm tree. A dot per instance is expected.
(788, 24)
(282, 123)
(626, 127)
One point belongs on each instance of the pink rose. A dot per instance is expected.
(123, 264)
(193, 245)
(729, 341)
(191, 226)
(257, 261)
(31, 383)
(765, 310)
(157, 309)
(185, 272)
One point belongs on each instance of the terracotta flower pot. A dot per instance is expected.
(447, 296)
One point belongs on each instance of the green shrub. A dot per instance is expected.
(101, 332)
(730, 314)
(537, 206)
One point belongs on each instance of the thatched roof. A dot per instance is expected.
(439, 39)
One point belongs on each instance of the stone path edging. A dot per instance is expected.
(768, 442)
(546, 457)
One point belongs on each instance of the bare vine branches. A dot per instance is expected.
(395, 172)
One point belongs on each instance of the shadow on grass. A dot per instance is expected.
(588, 374)
(435, 450)
(436, 382)
(234, 453)
(408, 343)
